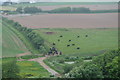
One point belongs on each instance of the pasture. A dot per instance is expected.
(11, 44)
(82, 42)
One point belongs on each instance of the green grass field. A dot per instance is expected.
(31, 69)
(98, 40)
(11, 44)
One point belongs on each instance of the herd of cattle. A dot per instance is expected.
(54, 51)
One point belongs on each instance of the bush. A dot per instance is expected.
(61, 61)
(9, 68)
(90, 71)
(62, 10)
(67, 68)
(32, 10)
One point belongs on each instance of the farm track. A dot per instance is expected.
(41, 62)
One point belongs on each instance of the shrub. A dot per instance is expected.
(32, 10)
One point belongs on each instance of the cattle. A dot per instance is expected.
(58, 40)
(70, 40)
(50, 52)
(86, 35)
(53, 43)
(78, 47)
(68, 45)
(60, 53)
(78, 36)
(61, 36)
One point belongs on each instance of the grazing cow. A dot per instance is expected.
(60, 53)
(68, 45)
(78, 36)
(73, 44)
(61, 36)
(50, 52)
(70, 40)
(53, 43)
(86, 35)
(78, 48)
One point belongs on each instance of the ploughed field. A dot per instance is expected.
(82, 42)
(104, 20)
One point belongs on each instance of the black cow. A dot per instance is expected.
(78, 47)
(70, 40)
(61, 36)
(86, 35)
(53, 43)
(60, 53)
(68, 45)
(78, 36)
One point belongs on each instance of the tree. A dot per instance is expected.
(113, 68)
(19, 9)
(80, 10)
(32, 10)
(89, 71)
(62, 10)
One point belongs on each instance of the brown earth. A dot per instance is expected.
(100, 20)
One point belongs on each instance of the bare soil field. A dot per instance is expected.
(92, 7)
(102, 20)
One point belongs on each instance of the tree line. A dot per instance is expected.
(34, 38)
(62, 10)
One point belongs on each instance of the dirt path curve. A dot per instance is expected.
(23, 54)
(40, 61)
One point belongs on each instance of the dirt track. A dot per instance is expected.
(103, 20)
(40, 61)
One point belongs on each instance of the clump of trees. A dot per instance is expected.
(61, 10)
(32, 10)
(80, 10)
(71, 10)
(28, 10)
(103, 66)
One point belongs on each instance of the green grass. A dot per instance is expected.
(98, 40)
(32, 68)
(11, 44)
(30, 56)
